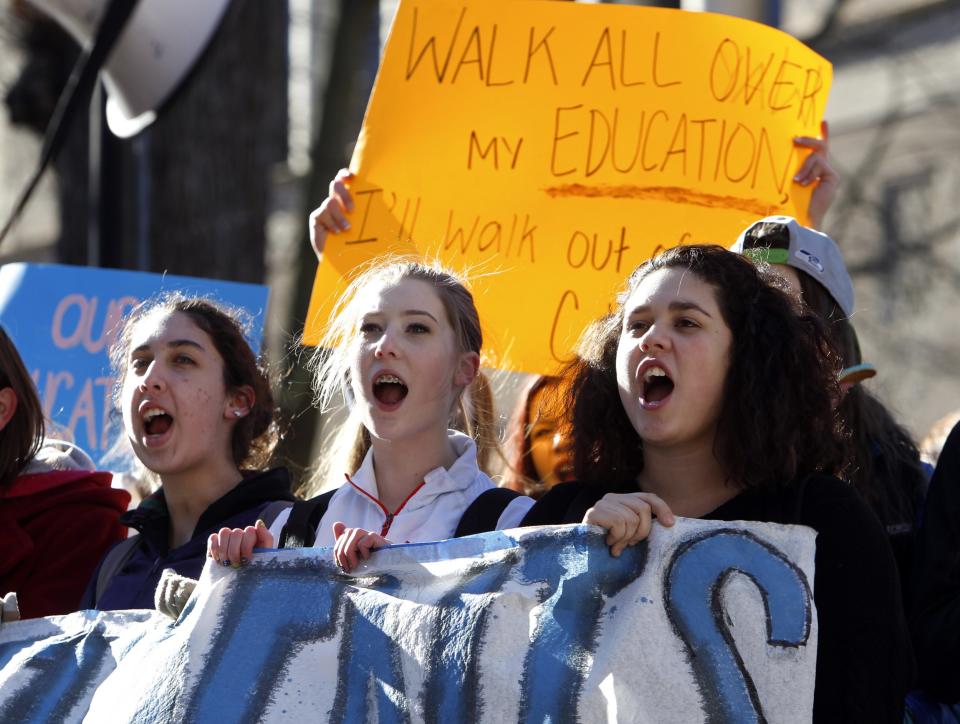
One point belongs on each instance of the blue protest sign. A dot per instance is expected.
(63, 320)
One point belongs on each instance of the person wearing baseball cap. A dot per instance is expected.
(882, 460)
(784, 241)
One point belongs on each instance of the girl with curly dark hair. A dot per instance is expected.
(708, 394)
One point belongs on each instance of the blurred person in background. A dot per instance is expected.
(58, 514)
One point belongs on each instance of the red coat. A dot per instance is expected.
(54, 528)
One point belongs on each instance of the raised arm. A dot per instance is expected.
(817, 169)
(331, 216)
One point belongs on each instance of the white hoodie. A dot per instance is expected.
(431, 513)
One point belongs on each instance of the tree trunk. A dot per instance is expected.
(210, 155)
(352, 70)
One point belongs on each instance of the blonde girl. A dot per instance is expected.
(404, 347)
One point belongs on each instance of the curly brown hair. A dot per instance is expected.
(776, 422)
(256, 434)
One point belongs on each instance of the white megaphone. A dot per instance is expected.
(155, 51)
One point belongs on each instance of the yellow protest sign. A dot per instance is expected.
(548, 148)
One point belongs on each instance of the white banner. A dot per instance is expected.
(704, 621)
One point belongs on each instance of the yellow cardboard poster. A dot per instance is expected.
(548, 148)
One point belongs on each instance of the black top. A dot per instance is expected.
(864, 660)
(134, 585)
(935, 619)
(905, 487)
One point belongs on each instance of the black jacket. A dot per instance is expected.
(935, 618)
(134, 585)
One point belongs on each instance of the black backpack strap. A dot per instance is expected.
(482, 514)
(273, 510)
(113, 562)
(563, 503)
(300, 530)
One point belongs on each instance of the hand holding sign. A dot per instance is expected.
(816, 168)
(330, 216)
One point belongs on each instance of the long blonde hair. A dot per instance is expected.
(345, 449)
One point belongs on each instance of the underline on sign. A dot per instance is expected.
(672, 194)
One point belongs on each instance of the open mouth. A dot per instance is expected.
(657, 386)
(389, 390)
(564, 471)
(156, 421)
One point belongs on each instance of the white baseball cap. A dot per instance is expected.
(784, 240)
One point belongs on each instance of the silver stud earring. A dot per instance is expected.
(238, 413)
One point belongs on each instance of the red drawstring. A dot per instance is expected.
(389, 516)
